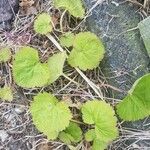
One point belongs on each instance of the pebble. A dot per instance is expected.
(3, 135)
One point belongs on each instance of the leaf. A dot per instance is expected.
(56, 64)
(49, 115)
(6, 94)
(145, 32)
(99, 145)
(136, 105)
(74, 7)
(88, 51)
(90, 135)
(72, 134)
(103, 117)
(5, 54)
(43, 24)
(67, 39)
(28, 72)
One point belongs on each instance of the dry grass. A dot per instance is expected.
(15, 117)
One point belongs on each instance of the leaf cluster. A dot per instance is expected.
(54, 119)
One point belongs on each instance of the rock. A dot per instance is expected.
(19, 110)
(126, 59)
(3, 135)
(8, 9)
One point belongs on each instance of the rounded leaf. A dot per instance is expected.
(88, 51)
(49, 115)
(103, 117)
(28, 72)
(75, 7)
(43, 24)
(136, 105)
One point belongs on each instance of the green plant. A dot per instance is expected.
(102, 117)
(74, 7)
(136, 105)
(54, 41)
(72, 134)
(97, 113)
(56, 64)
(88, 51)
(67, 39)
(5, 54)
(28, 71)
(6, 94)
(54, 118)
(49, 115)
(43, 24)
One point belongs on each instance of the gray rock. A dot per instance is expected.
(8, 9)
(3, 135)
(126, 58)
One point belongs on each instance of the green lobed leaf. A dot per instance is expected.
(75, 7)
(72, 134)
(102, 115)
(56, 64)
(145, 32)
(43, 24)
(28, 72)
(88, 51)
(136, 105)
(49, 115)
(5, 54)
(67, 39)
(6, 94)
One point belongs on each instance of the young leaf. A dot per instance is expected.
(72, 134)
(136, 105)
(56, 64)
(74, 7)
(5, 54)
(28, 72)
(6, 94)
(90, 135)
(88, 51)
(43, 24)
(145, 32)
(97, 143)
(49, 115)
(103, 117)
(67, 39)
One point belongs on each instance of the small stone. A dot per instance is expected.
(19, 110)
(3, 135)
